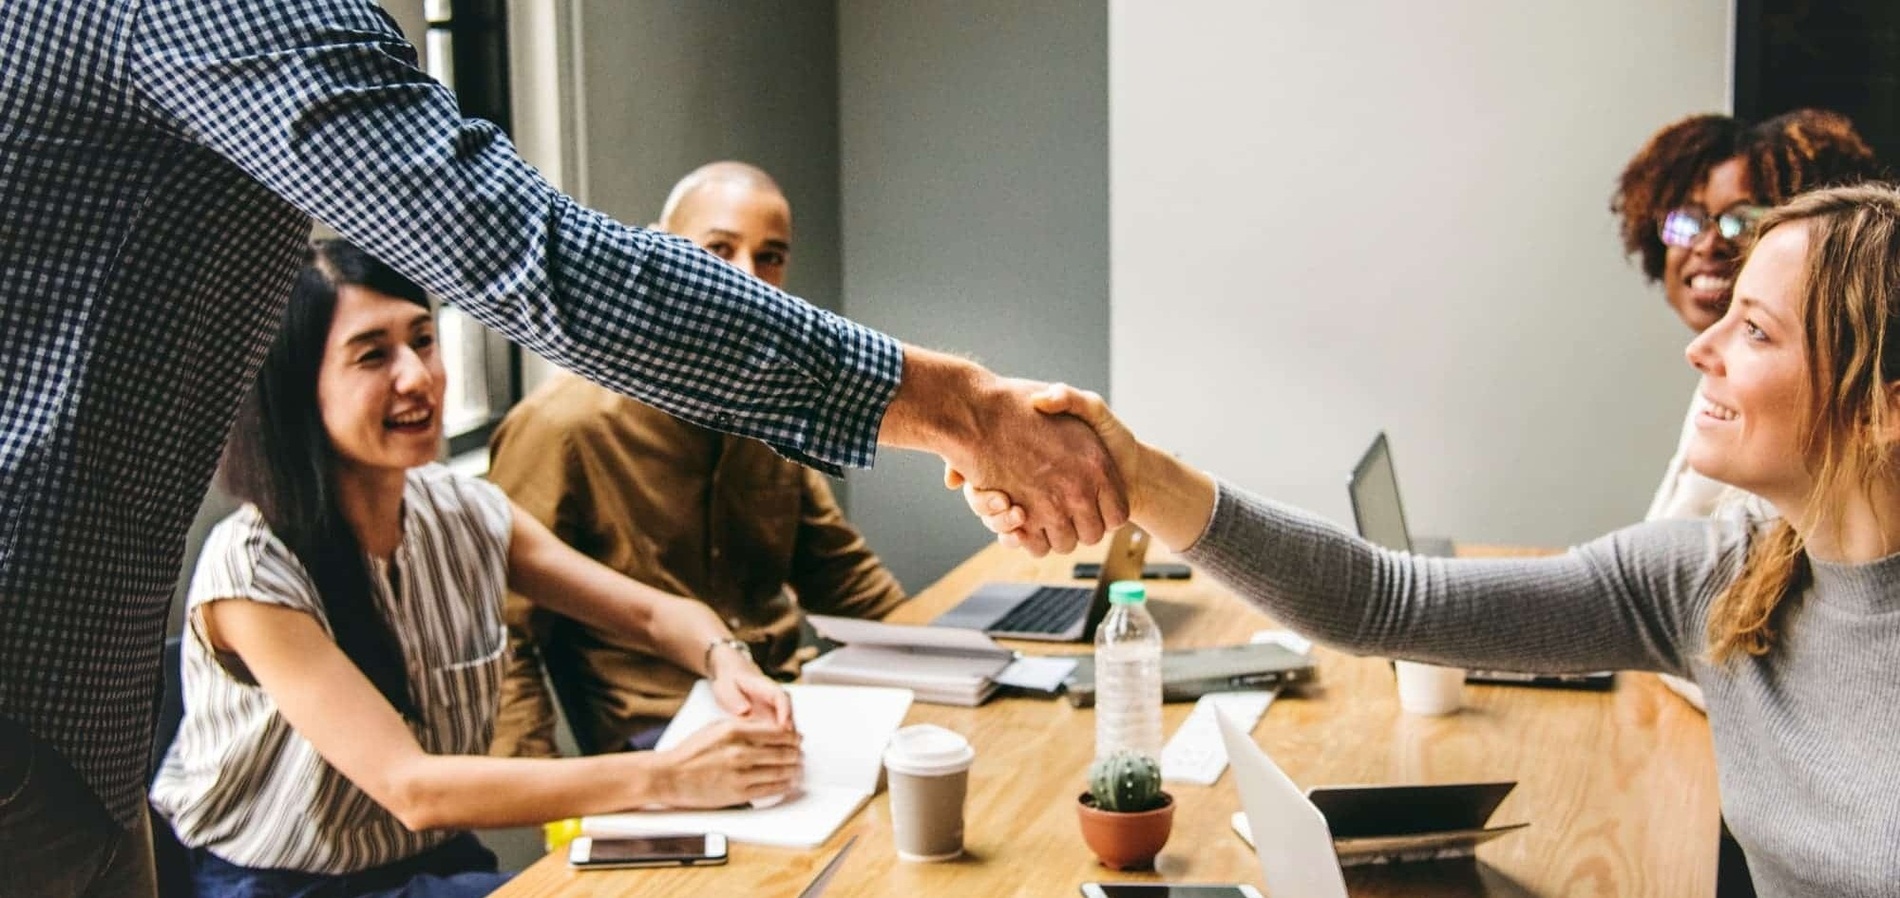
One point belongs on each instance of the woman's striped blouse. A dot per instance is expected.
(240, 782)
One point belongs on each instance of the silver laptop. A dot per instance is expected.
(1289, 834)
(1380, 517)
(1051, 613)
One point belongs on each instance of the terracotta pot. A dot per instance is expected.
(1125, 841)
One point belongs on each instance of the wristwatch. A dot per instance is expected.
(732, 642)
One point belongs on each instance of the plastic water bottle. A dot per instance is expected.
(1128, 674)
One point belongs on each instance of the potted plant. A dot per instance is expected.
(1126, 818)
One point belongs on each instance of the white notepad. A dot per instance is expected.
(845, 729)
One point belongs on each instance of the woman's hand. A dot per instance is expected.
(730, 762)
(745, 691)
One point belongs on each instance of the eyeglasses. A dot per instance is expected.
(1682, 227)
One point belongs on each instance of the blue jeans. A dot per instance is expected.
(458, 868)
(56, 838)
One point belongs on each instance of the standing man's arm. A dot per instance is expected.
(322, 101)
(833, 570)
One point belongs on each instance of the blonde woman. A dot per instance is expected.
(1791, 625)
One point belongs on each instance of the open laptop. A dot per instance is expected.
(1296, 847)
(1289, 834)
(1051, 613)
(1376, 508)
(1380, 517)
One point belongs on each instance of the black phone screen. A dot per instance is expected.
(1165, 570)
(647, 848)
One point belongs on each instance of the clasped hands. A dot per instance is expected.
(1046, 485)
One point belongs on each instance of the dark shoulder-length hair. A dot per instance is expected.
(1662, 175)
(1786, 155)
(279, 458)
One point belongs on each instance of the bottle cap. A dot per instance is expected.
(1127, 592)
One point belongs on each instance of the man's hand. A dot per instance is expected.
(1053, 466)
(1006, 518)
(1172, 501)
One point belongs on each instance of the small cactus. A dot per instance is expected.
(1127, 782)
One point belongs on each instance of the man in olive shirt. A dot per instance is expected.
(688, 510)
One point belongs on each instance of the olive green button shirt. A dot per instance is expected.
(687, 510)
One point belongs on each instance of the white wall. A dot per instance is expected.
(1335, 217)
(974, 171)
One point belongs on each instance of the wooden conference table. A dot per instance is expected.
(1619, 787)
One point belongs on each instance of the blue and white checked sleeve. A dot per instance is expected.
(322, 102)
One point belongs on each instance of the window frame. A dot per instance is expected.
(466, 48)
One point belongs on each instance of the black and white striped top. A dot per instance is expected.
(240, 782)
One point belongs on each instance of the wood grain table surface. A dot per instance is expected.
(1618, 787)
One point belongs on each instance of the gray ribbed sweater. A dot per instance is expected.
(1807, 739)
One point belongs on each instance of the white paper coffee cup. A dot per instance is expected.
(1429, 689)
(928, 768)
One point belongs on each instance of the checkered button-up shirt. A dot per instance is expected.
(160, 161)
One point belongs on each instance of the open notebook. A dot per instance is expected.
(845, 729)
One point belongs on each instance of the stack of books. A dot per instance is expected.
(940, 665)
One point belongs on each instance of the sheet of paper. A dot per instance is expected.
(845, 729)
(805, 820)
(1043, 674)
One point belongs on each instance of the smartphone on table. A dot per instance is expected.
(678, 850)
(1166, 890)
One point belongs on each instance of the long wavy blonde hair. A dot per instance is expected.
(1848, 300)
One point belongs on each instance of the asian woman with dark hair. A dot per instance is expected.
(343, 664)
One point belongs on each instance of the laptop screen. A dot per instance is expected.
(1375, 499)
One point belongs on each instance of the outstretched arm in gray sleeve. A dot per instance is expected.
(1635, 599)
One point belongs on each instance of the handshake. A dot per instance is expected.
(1045, 466)
(1076, 493)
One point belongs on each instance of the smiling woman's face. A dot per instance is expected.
(1699, 279)
(1754, 394)
(381, 383)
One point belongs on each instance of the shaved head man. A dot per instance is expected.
(737, 212)
(717, 518)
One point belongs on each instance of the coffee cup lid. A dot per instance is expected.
(926, 749)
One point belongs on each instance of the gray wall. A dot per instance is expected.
(974, 168)
(670, 86)
(1336, 217)
(665, 86)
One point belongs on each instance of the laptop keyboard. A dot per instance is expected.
(1051, 609)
